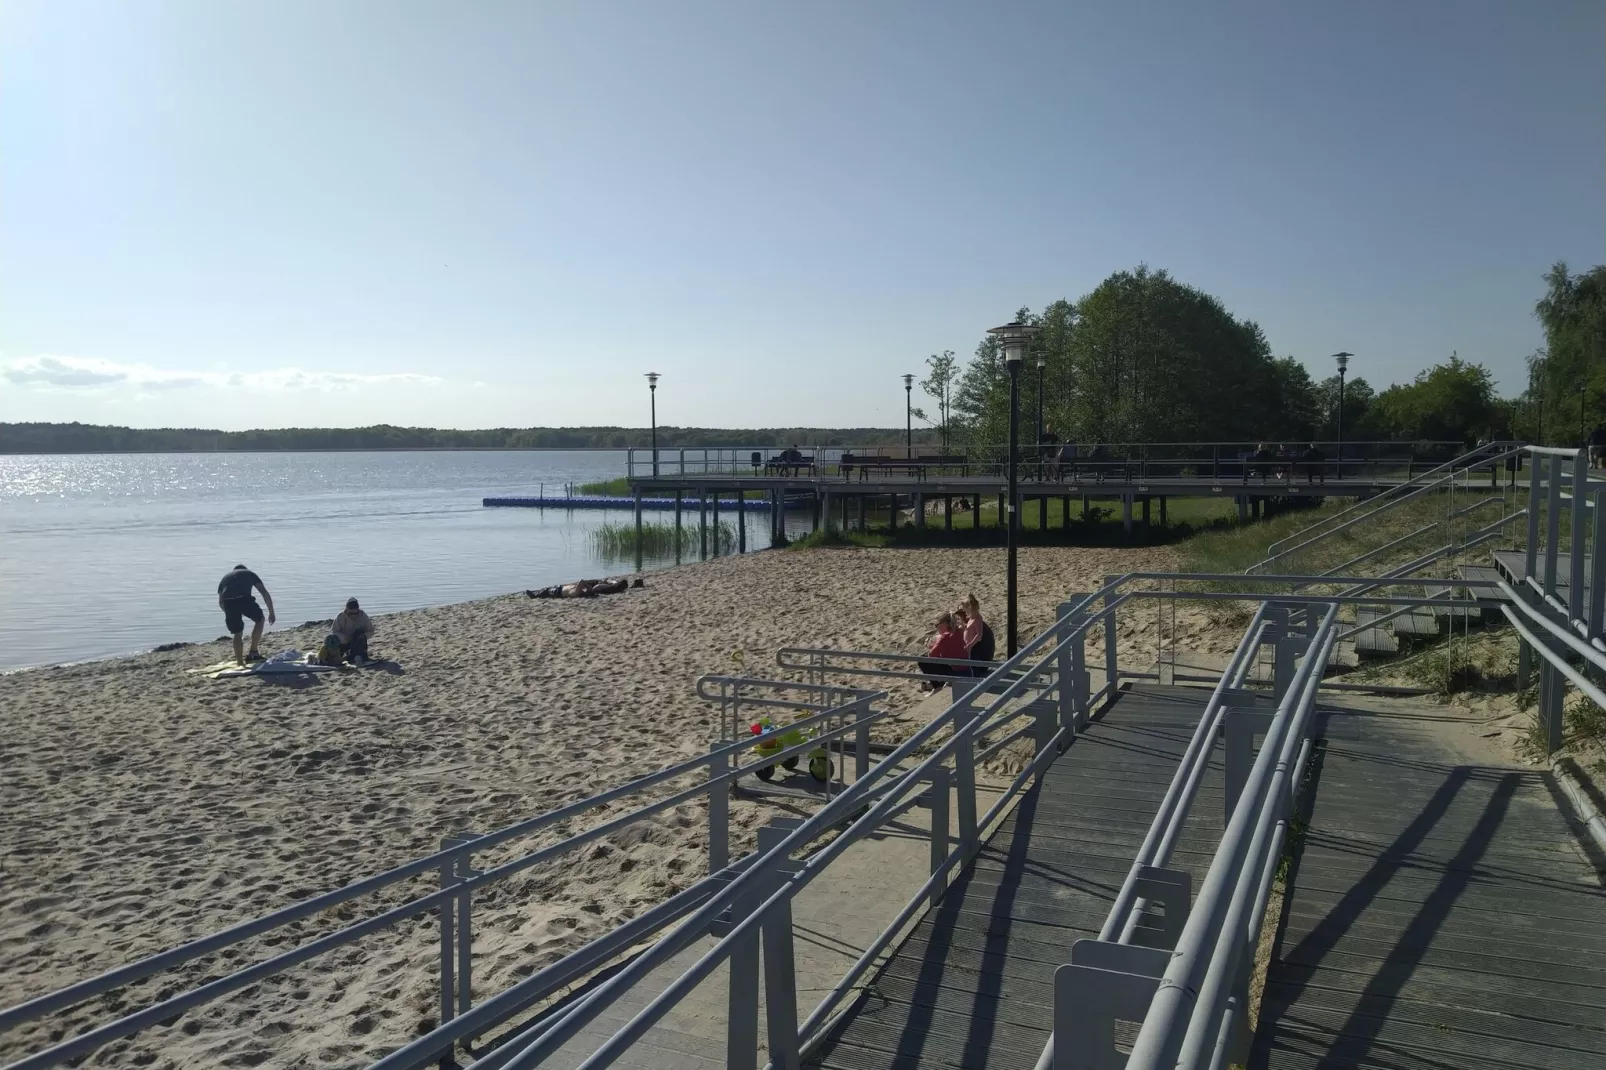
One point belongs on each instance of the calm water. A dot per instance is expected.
(111, 554)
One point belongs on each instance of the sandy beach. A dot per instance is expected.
(148, 805)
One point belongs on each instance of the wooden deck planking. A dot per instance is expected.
(972, 987)
(1439, 914)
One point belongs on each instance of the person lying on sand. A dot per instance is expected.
(234, 598)
(587, 588)
(352, 628)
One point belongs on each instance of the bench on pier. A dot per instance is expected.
(1099, 467)
(917, 466)
(795, 465)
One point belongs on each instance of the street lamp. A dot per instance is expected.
(1343, 365)
(1012, 338)
(652, 385)
(1041, 364)
(908, 414)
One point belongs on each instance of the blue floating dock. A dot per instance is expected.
(689, 504)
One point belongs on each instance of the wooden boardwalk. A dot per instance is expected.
(1441, 915)
(973, 987)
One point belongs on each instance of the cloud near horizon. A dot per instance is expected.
(93, 373)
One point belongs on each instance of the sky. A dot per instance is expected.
(284, 213)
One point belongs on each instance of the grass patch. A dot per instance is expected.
(822, 538)
(617, 542)
(618, 487)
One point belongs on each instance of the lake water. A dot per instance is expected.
(113, 554)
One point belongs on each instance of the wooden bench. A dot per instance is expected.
(917, 465)
(794, 466)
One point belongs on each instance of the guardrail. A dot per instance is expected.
(1218, 462)
(713, 774)
(1489, 456)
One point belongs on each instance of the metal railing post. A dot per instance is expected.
(1597, 578)
(1112, 674)
(965, 773)
(741, 1023)
(448, 984)
(1070, 674)
(1536, 473)
(464, 870)
(1552, 526)
(719, 808)
(938, 794)
(780, 971)
(1580, 513)
(861, 739)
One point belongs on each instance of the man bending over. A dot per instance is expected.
(234, 598)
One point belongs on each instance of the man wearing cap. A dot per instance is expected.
(234, 598)
(353, 627)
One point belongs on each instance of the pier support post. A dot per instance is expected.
(1065, 511)
(975, 511)
(741, 521)
(863, 523)
(814, 513)
(920, 511)
(1126, 513)
(1243, 509)
(1146, 511)
(948, 512)
(677, 526)
(1162, 511)
(715, 524)
(1003, 514)
(825, 507)
(1042, 512)
(702, 524)
(638, 530)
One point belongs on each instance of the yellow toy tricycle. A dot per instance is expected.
(772, 739)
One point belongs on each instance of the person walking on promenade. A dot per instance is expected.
(234, 598)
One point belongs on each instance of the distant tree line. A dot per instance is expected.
(92, 438)
(1145, 358)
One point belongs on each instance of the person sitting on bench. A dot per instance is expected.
(947, 643)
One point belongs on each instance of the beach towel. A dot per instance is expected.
(286, 661)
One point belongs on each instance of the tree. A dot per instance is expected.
(1358, 398)
(1453, 401)
(938, 384)
(1569, 380)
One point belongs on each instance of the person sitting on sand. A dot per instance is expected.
(234, 598)
(353, 628)
(979, 641)
(947, 643)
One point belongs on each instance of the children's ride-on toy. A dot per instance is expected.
(772, 739)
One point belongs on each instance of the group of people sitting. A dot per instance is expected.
(1265, 461)
(961, 636)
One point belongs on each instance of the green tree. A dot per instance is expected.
(943, 369)
(1452, 401)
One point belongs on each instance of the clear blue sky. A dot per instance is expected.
(276, 213)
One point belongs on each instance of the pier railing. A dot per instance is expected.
(1216, 462)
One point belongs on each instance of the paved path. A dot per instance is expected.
(1440, 915)
(973, 985)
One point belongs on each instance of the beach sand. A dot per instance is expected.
(146, 805)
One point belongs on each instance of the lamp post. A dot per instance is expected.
(1041, 364)
(652, 386)
(1343, 365)
(908, 415)
(1012, 338)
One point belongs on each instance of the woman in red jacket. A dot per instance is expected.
(947, 643)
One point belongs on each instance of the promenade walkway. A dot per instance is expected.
(1440, 913)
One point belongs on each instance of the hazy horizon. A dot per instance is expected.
(263, 216)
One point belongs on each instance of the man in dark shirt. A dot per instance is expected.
(234, 598)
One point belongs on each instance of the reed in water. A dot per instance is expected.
(618, 541)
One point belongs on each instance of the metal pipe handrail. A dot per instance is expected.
(1274, 551)
(1161, 1036)
(140, 1019)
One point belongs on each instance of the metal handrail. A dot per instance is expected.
(1193, 977)
(126, 1025)
(1377, 504)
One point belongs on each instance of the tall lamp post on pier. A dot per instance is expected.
(1012, 338)
(652, 386)
(908, 415)
(1343, 366)
(1041, 364)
